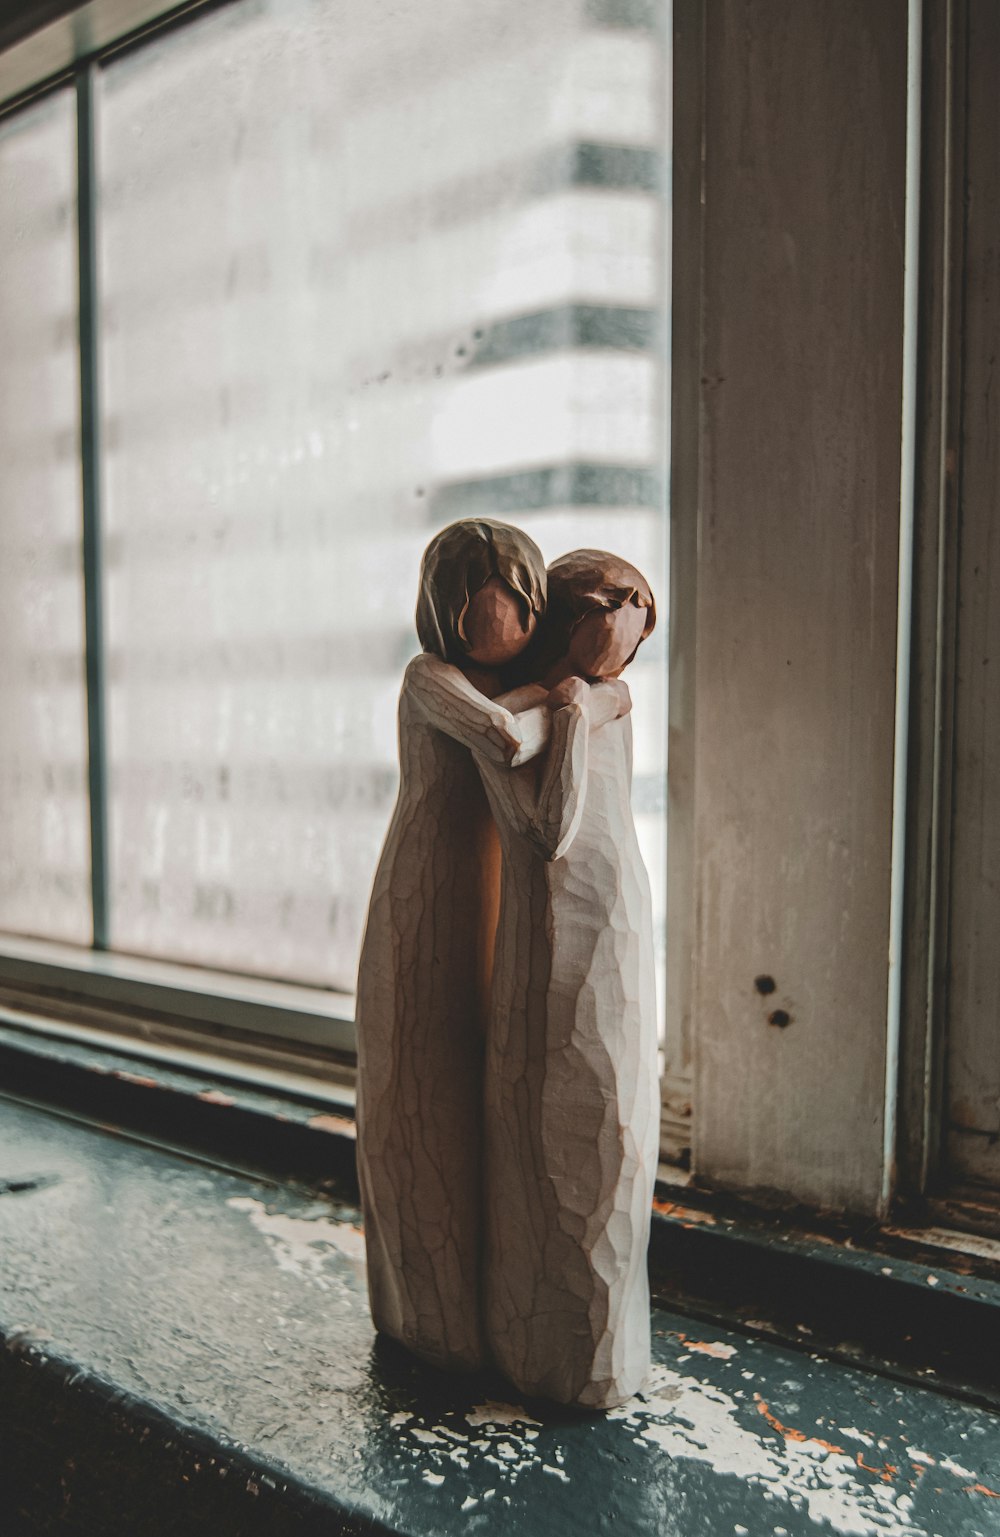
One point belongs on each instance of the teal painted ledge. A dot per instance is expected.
(854, 1293)
(187, 1349)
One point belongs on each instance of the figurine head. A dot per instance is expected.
(482, 592)
(600, 611)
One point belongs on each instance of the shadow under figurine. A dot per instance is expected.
(537, 1259)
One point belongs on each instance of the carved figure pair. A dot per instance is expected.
(507, 1103)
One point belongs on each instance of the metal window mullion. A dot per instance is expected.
(90, 466)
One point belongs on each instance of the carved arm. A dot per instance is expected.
(563, 786)
(544, 804)
(448, 701)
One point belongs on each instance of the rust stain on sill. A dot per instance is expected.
(790, 1433)
(688, 1215)
(886, 1472)
(337, 1124)
(706, 1347)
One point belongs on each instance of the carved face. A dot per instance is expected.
(497, 624)
(603, 640)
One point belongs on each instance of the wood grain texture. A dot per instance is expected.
(536, 1256)
(801, 398)
(422, 985)
(973, 1066)
(572, 1113)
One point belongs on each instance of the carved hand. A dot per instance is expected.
(608, 701)
(570, 691)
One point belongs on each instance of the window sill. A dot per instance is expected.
(170, 1007)
(291, 1126)
(913, 1304)
(184, 1348)
(910, 1303)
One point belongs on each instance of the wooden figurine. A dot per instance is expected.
(425, 964)
(572, 1112)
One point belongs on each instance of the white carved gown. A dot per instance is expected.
(572, 1109)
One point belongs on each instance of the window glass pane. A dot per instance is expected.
(44, 827)
(366, 270)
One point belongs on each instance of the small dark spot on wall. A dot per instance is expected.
(764, 985)
(780, 1017)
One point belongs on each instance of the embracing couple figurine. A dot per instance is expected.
(508, 1113)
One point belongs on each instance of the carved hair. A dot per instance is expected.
(457, 563)
(585, 580)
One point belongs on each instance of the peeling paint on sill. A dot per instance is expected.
(300, 1245)
(260, 1343)
(500, 1441)
(697, 1420)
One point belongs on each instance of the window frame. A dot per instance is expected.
(313, 1025)
(67, 53)
(314, 1020)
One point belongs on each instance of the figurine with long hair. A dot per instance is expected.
(424, 974)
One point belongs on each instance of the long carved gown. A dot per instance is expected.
(422, 992)
(572, 1113)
